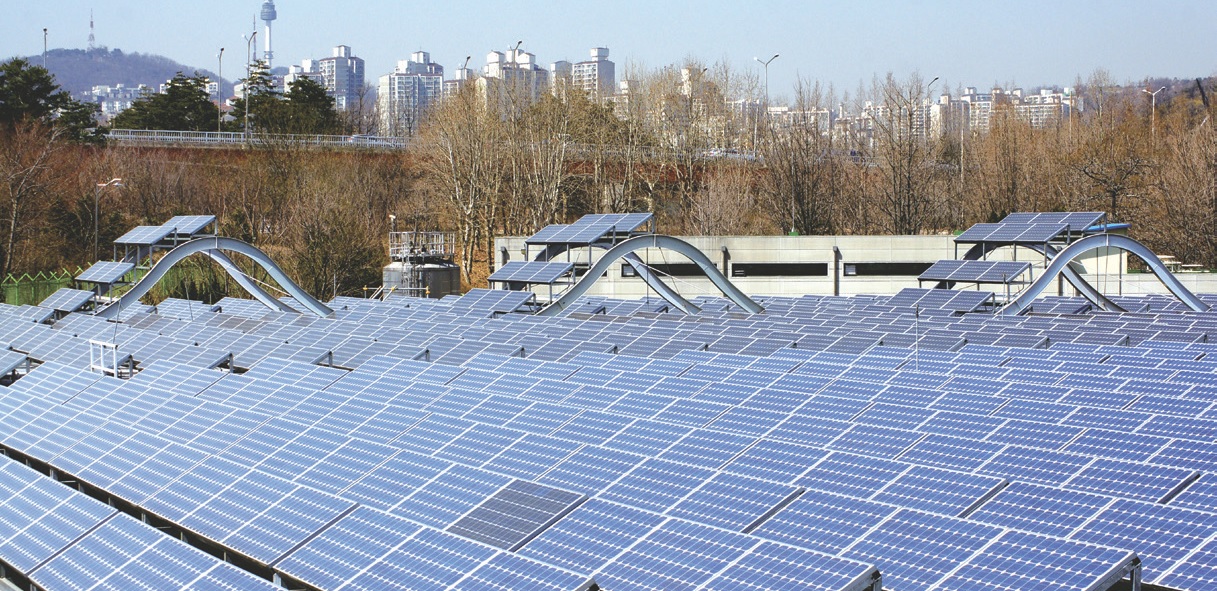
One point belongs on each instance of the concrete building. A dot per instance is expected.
(513, 79)
(798, 265)
(405, 95)
(597, 77)
(341, 74)
(115, 99)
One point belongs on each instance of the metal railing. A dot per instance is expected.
(229, 138)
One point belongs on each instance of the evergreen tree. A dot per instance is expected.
(184, 106)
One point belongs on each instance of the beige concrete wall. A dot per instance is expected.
(1103, 269)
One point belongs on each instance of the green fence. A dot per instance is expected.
(32, 289)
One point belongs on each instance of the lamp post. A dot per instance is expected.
(114, 182)
(766, 64)
(928, 89)
(1153, 113)
(249, 41)
(220, 91)
(43, 48)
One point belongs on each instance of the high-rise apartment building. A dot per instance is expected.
(597, 77)
(407, 93)
(514, 79)
(341, 74)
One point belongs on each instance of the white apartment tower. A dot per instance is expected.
(406, 94)
(513, 79)
(341, 74)
(597, 76)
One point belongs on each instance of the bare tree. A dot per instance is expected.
(460, 150)
(27, 154)
(903, 154)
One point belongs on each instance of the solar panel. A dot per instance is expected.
(531, 272)
(493, 300)
(591, 535)
(1078, 221)
(515, 514)
(590, 228)
(975, 271)
(144, 236)
(105, 272)
(67, 300)
(774, 566)
(188, 225)
(691, 554)
(1028, 557)
(917, 549)
(1011, 233)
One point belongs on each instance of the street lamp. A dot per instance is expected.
(114, 182)
(928, 89)
(1153, 112)
(220, 91)
(766, 64)
(43, 48)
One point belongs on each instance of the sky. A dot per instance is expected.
(1028, 43)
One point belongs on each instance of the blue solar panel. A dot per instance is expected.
(1194, 573)
(1040, 509)
(430, 560)
(1159, 533)
(917, 549)
(509, 572)
(345, 548)
(656, 484)
(691, 554)
(734, 502)
(824, 521)
(939, 491)
(778, 567)
(1018, 556)
(1131, 480)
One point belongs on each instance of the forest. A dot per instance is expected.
(684, 143)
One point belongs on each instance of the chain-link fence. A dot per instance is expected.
(32, 289)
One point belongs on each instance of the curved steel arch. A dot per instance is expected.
(1061, 261)
(1079, 283)
(644, 272)
(212, 246)
(627, 247)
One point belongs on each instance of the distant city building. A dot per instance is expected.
(115, 99)
(341, 74)
(597, 76)
(459, 78)
(407, 93)
(513, 79)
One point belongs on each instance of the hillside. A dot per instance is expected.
(79, 70)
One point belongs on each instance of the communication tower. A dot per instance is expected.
(268, 15)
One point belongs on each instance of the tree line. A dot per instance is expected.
(687, 143)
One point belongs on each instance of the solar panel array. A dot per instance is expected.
(532, 272)
(590, 228)
(1012, 233)
(975, 271)
(181, 226)
(441, 444)
(1078, 221)
(105, 272)
(66, 299)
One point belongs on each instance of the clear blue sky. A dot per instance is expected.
(1026, 43)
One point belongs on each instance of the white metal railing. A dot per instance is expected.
(163, 137)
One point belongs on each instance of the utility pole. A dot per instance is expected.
(43, 48)
(249, 42)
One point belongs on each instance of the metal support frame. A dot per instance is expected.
(629, 246)
(1060, 266)
(211, 246)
